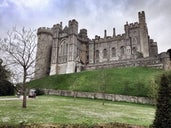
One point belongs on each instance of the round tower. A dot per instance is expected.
(43, 55)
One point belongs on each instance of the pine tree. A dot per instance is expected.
(163, 110)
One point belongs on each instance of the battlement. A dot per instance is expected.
(133, 25)
(98, 39)
(57, 26)
(142, 13)
(72, 22)
(120, 37)
(141, 17)
(44, 30)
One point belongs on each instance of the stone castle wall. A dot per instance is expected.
(146, 62)
(67, 50)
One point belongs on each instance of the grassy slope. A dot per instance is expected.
(126, 81)
(64, 110)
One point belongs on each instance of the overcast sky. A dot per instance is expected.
(94, 15)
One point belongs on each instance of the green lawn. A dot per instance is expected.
(134, 81)
(64, 110)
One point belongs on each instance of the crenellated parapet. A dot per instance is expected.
(120, 37)
(57, 26)
(71, 50)
(133, 25)
(44, 30)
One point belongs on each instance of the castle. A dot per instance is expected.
(65, 50)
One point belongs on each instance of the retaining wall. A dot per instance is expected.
(91, 95)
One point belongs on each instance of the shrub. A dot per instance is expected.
(39, 92)
(6, 88)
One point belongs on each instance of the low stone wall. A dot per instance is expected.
(91, 95)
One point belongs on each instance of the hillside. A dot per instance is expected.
(133, 81)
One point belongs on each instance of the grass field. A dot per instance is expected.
(64, 110)
(132, 81)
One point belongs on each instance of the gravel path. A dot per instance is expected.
(15, 98)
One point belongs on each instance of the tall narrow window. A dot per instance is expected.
(63, 51)
(134, 50)
(104, 53)
(97, 54)
(122, 50)
(113, 52)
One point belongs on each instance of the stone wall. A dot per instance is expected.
(148, 62)
(91, 95)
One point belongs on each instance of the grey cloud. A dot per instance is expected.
(95, 15)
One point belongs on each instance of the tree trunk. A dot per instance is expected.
(75, 95)
(103, 100)
(24, 105)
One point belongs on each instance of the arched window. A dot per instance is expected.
(113, 52)
(105, 53)
(97, 54)
(63, 48)
(122, 50)
(63, 51)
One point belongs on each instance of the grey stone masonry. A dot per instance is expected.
(62, 50)
(91, 95)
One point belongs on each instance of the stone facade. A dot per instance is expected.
(65, 50)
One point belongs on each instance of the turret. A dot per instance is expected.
(126, 27)
(144, 41)
(44, 30)
(43, 56)
(56, 29)
(114, 33)
(141, 17)
(73, 27)
(83, 33)
(105, 33)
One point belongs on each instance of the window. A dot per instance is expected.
(104, 53)
(122, 50)
(113, 52)
(97, 54)
(134, 50)
(63, 51)
(134, 40)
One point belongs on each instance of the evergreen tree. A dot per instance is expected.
(4, 73)
(163, 110)
(6, 88)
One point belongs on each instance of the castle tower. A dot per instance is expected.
(144, 43)
(54, 57)
(83, 46)
(72, 46)
(43, 55)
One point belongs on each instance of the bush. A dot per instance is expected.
(6, 88)
(40, 92)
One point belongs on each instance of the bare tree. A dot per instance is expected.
(20, 50)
